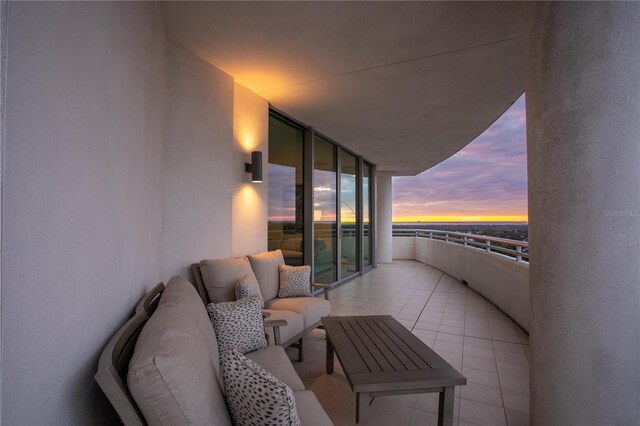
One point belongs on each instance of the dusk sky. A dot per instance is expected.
(484, 182)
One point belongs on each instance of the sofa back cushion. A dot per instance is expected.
(171, 375)
(265, 266)
(181, 292)
(220, 277)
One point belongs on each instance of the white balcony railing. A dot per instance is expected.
(517, 250)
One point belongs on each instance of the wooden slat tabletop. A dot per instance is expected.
(379, 354)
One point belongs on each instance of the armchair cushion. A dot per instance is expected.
(238, 324)
(311, 308)
(221, 275)
(265, 266)
(255, 396)
(294, 281)
(276, 361)
(295, 324)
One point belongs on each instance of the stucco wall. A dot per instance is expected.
(503, 281)
(250, 133)
(123, 166)
(82, 209)
(199, 174)
(404, 248)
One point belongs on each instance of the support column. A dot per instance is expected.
(583, 141)
(384, 203)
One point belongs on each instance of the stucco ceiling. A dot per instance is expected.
(406, 85)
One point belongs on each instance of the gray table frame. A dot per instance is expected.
(381, 357)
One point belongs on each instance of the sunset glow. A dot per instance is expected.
(484, 182)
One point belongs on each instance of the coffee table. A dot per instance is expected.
(381, 357)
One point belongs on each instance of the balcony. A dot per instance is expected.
(464, 328)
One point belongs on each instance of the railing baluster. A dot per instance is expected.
(519, 255)
(488, 244)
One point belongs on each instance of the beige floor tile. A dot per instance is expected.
(517, 418)
(481, 377)
(423, 418)
(427, 402)
(484, 394)
(448, 337)
(447, 316)
(482, 414)
(480, 352)
(452, 330)
(479, 363)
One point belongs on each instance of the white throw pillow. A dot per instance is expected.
(248, 287)
(238, 324)
(254, 396)
(294, 281)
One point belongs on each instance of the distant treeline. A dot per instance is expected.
(512, 231)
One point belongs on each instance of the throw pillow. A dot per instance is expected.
(254, 396)
(238, 324)
(294, 281)
(248, 287)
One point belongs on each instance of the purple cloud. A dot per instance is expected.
(487, 177)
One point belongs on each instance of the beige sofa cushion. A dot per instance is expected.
(220, 277)
(311, 308)
(181, 292)
(265, 266)
(295, 324)
(171, 376)
(310, 412)
(275, 360)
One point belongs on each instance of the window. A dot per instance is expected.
(286, 190)
(337, 190)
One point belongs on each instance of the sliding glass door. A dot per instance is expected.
(286, 190)
(348, 214)
(367, 210)
(325, 238)
(320, 202)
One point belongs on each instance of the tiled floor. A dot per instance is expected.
(461, 326)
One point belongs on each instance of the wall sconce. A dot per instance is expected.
(255, 167)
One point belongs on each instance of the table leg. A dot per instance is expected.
(329, 356)
(362, 403)
(445, 407)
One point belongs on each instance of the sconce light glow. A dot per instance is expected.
(255, 167)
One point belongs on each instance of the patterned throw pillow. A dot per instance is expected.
(294, 281)
(254, 396)
(238, 324)
(247, 287)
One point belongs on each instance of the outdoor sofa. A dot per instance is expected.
(216, 280)
(168, 355)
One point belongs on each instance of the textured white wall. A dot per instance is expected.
(250, 133)
(82, 220)
(199, 172)
(583, 152)
(404, 248)
(503, 281)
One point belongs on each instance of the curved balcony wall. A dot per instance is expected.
(501, 279)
